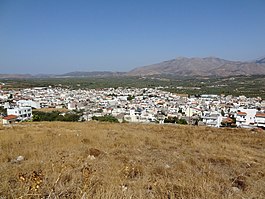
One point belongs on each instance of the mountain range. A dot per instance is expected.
(208, 66)
(181, 66)
(92, 74)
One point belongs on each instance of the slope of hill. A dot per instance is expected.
(102, 160)
(209, 66)
(92, 74)
(261, 61)
(15, 76)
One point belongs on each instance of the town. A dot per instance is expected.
(142, 105)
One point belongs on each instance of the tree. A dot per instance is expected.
(130, 97)
(71, 118)
(106, 118)
(222, 113)
(175, 120)
(36, 118)
(171, 120)
(3, 110)
(182, 121)
(55, 116)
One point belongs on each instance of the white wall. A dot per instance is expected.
(249, 118)
(23, 113)
(28, 103)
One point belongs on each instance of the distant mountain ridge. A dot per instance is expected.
(180, 66)
(208, 66)
(92, 74)
(261, 61)
(70, 74)
(15, 76)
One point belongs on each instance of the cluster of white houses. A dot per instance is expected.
(137, 105)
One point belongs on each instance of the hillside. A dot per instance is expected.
(92, 74)
(102, 160)
(15, 76)
(209, 66)
(261, 61)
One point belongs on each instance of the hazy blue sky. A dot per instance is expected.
(58, 36)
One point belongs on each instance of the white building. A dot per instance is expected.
(212, 119)
(260, 120)
(23, 113)
(245, 117)
(28, 103)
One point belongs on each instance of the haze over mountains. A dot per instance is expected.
(181, 66)
(93, 74)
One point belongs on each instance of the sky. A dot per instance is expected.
(60, 36)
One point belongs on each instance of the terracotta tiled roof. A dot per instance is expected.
(10, 117)
(260, 115)
(241, 113)
(227, 120)
(198, 109)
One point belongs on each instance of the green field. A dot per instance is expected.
(250, 86)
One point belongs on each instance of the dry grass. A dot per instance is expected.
(103, 160)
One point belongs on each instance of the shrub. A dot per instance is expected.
(105, 118)
(55, 116)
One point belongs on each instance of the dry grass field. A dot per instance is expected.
(104, 160)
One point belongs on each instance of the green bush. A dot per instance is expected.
(105, 118)
(175, 120)
(182, 121)
(55, 116)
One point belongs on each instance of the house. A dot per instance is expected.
(190, 111)
(9, 119)
(22, 113)
(241, 119)
(245, 117)
(28, 103)
(260, 120)
(120, 117)
(212, 119)
(71, 106)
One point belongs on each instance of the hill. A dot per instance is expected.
(91, 74)
(209, 66)
(260, 61)
(102, 160)
(15, 76)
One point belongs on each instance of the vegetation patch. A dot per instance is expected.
(55, 116)
(105, 118)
